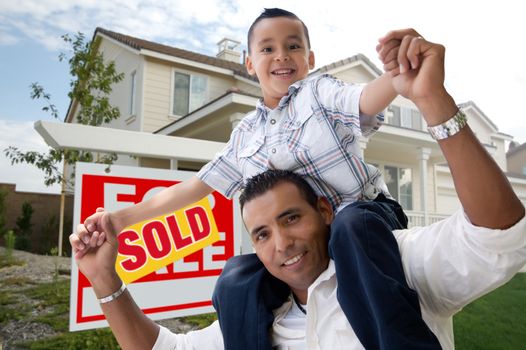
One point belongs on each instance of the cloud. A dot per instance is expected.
(7, 39)
(27, 177)
(482, 47)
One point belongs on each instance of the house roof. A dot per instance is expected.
(516, 149)
(345, 61)
(139, 44)
(231, 91)
(479, 111)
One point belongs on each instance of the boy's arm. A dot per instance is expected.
(170, 199)
(377, 95)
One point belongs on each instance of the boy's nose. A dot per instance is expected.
(282, 56)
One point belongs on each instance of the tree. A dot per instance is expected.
(24, 227)
(91, 85)
(3, 228)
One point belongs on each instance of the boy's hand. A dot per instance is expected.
(388, 54)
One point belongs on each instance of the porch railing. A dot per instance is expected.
(417, 218)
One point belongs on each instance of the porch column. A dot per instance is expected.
(235, 118)
(423, 157)
(362, 142)
(173, 164)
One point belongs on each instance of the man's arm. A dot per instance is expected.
(483, 189)
(132, 329)
(130, 326)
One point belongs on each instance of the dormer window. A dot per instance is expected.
(189, 92)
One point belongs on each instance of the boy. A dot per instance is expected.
(281, 134)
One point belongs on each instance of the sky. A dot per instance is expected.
(485, 49)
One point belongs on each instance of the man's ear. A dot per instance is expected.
(325, 210)
(311, 60)
(249, 66)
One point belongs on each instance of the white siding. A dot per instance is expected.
(126, 62)
(158, 91)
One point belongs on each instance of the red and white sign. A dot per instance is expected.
(183, 287)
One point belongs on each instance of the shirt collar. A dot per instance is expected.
(324, 276)
(293, 90)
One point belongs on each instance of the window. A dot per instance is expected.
(133, 81)
(400, 184)
(416, 119)
(405, 117)
(395, 115)
(405, 120)
(189, 93)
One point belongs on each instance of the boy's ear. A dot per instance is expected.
(249, 66)
(311, 60)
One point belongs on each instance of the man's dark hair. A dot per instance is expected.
(271, 13)
(261, 183)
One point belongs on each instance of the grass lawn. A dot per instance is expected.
(496, 321)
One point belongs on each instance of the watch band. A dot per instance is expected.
(113, 296)
(448, 128)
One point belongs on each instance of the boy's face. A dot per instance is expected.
(279, 56)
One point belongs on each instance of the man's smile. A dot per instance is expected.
(294, 259)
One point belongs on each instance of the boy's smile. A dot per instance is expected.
(279, 56)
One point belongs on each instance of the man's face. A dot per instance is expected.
(279, 56)
(289, 235)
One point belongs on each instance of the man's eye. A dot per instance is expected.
(292, 219)
(260, 236)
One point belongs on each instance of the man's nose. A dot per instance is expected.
(283, 241)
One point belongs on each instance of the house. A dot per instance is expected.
(516, 159)
(170, 91)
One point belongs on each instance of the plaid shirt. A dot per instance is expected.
(314, 132)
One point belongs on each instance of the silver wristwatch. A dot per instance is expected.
(448, 128)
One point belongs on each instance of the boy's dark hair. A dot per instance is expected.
(261, 183)
(271, 13)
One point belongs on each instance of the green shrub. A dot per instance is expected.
(3, 195)
(24, 227)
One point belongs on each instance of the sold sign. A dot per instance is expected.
(149, 245)
(171, 263)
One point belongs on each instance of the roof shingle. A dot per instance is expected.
(139, 44)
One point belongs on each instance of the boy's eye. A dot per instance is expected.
(266, 49)
(294, 46)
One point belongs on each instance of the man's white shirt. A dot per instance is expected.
(449, 264)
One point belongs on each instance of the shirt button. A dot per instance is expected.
(273, 150)
(272, 121)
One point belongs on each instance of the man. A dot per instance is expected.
(449, 264)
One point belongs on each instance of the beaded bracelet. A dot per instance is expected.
(113, 296)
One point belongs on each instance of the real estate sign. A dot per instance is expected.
(170, 263)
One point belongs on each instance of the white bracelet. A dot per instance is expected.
(113, 296)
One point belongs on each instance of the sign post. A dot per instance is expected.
(170, 263)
